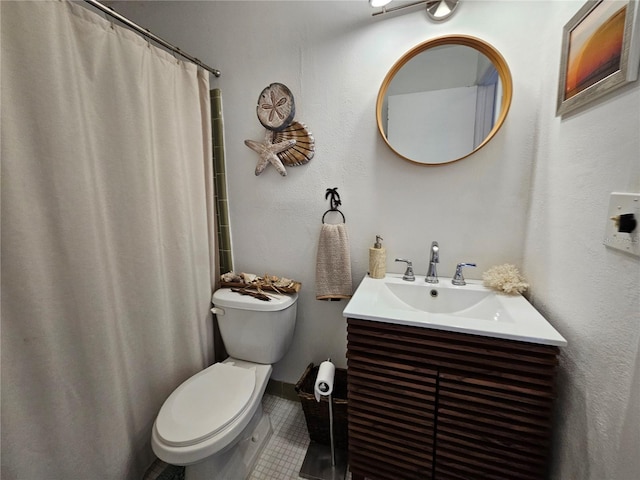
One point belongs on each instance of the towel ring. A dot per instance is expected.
(334, 202)
(334, 210)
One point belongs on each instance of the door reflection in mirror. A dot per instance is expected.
(442, 102)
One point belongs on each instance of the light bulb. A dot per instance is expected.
(378, 3)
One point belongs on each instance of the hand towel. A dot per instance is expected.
(333, 263)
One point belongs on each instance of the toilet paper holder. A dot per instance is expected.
(316, 462)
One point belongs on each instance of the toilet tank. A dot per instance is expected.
(256, 330)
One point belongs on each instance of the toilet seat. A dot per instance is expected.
(203, 405)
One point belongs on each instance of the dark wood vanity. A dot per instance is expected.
(432, 404)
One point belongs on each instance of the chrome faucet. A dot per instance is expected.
(432, 273)
(408, 274)
(458, 278)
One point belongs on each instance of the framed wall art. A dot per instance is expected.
(600, 52)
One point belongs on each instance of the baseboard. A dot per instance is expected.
(282, 390)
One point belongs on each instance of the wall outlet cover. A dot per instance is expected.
(620, 204)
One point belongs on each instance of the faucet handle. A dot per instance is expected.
(458, 279)
(408, 274)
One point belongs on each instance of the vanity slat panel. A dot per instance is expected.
(403, 454)
(386, 396)
(377, 422)
(391, 432)
(375, 369)
(510, 354)
(487, 402)
(530, 349)
(378, 470)
(451, 354)
(505, 450)
(415, 411)
(495, 398)
(391, 412)
(390, 458)
(499, 441)
(490, 465)
(517, 396)
(476, 470)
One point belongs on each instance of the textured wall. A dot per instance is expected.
(333, 56)
(535, 196)
(589, 292)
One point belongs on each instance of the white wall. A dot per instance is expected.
(589, 292)
(535, 196)
(333, 56)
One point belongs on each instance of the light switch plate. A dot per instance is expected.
(619, 204)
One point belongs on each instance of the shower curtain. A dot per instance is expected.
(108, 246)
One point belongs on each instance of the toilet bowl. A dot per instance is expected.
(213, 422)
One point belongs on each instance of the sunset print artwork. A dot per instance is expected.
(595, 47)
(600, 52)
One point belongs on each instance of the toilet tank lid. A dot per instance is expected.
(224, 297)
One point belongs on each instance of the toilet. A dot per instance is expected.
(213, 422)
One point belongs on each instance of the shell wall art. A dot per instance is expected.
(286, 142)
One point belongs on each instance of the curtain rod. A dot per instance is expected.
(146, 33)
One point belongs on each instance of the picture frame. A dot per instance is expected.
(600, 52)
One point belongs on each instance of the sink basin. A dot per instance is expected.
(470, 308)
(474, 301)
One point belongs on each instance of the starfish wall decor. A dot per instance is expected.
(268, 152)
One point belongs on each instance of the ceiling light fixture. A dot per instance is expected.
(437, 10)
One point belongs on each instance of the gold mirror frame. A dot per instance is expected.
(481, 46)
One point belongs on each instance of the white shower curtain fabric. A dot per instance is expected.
(108, 257)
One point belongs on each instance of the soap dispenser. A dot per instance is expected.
(377, 259)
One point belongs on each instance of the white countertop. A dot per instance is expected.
(490, 314)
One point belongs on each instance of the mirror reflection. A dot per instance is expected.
(444, 100)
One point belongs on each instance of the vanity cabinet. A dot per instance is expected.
(432, 404)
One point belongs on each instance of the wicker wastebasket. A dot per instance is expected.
(317, 413)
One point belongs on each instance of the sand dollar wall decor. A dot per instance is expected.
(286, 142)
(276, 107)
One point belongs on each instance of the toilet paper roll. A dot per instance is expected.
(324, 380)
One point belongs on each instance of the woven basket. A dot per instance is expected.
(317, 413)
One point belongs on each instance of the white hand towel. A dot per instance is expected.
(333, 263)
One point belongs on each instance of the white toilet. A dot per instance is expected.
(213, 422)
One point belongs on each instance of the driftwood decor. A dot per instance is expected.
(286, 142)
(250, 281)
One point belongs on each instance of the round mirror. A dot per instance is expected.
(444, 99)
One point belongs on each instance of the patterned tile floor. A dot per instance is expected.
(283, 455)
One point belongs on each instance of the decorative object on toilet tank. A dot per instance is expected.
(252, 281)
(505, 278)
(286, 142)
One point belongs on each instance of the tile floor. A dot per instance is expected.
(283, 455)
